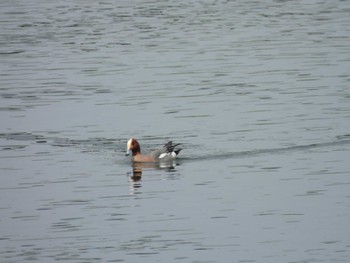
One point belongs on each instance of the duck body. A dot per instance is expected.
(167, 153)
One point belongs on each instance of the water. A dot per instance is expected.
(257, 93)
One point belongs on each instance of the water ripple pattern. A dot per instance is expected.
(257, 92)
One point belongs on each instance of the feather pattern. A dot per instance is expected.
(167, 153)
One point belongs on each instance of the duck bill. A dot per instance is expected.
(128, 152)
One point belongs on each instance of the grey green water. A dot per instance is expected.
(258, 93)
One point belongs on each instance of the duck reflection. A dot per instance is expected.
(136, 175)
(137, 168)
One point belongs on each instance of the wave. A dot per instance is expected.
(119, 145)
(340, 140)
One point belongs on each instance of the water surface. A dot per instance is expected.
(257, 93)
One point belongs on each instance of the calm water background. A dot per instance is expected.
(258, 92)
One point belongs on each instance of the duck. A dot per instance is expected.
(167, 153)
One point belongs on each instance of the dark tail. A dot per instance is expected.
(170, 147)
(177, 151)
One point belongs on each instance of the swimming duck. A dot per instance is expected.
(167, 153)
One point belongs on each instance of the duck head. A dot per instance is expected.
(133, 147)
